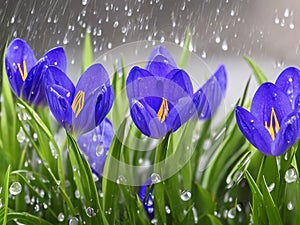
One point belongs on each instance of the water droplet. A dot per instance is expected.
(12, 20)
(154, 221)
(1, 204)
(231, 213)
(21, 135)
(276, 20)
(232, 12)
(77, 194)
(292, 26)
(185, 195)
(291, 175)
(155, 178)
(60, 217)
(271, 187)
(290, 206)
(168, 210)
(129, 13)
(121, 180)
(37, 207)
(73, 221)
(90, 212)
(84, 2)
(116, 24)
(224, 45)
(99, 150)
(109, 45)
(15, 188)
(218, 39)
(286, 12)
(203, 55)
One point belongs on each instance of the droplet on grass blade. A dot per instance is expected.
(90, 212)
(291, 175)
(21, 137)
(155, 178)
(60, 217)
(15, 188)
(73, 221)
(185, 195)
(290, 206)
(231, 213)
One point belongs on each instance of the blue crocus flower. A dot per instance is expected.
(147, 197)
(161, 96)
(273, 124)
(79, 109)
(26, 74)
(95, 145)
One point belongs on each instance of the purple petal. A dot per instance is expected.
(59, 105)
(269, 96)
(289, 82)
(96, 143)
(94, 85)
(160, 62)
(33, 87)
(141, 84)
(56, 76)
(18, 52)
(182, 79)
(288, 134)
(208, 98)
(253, 130)
(145, 118)
(56, 57)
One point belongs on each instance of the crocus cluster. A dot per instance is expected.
(273, 123)
(161, 95)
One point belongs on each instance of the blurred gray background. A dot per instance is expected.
(222, 31)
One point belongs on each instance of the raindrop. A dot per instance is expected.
(195, 215)
(129, 13)
(286, 12)
(15, 188)
(155, 178)
(60, 217)
(99, 150)
(271, 187)
(292, 26)
(121, 180)
(232, 12)
(109, 45)
(12, 20)
(224, 45)
(90, 212)
(77, 194)
(218, 39)
(73, 221)
(203, 55)
(123, 30)
(1, 204)
(84, 2)
(291, 175)
(185, 195)
(232, 213)
(154, 221)
(116, 24)
(290, 206)
(37, 208)
(276, 20)
(168, 210)
(21, 135)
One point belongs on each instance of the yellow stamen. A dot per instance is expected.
(271, 128)
(24, 71)
(78, 103)
(163, 110)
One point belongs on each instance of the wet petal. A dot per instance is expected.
(59, 105)
(160, 62)
(56, 57)
(253, 130)
(208, 98)
(289, 82)
(96, 143)
(145, 118)
(182, 79)
(269, 96)
(56, 76)
(18, 52)
(141, 84)
(288, 134)
(96, 99)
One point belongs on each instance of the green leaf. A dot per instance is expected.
(203, 200)
(185, 51)
(87, 57)
(209, 220)
(259, 75)
(3, 217)
(26, 218)
(85, 182)
(8, 120)
(271, 209)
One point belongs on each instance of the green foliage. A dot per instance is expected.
(204, 174)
